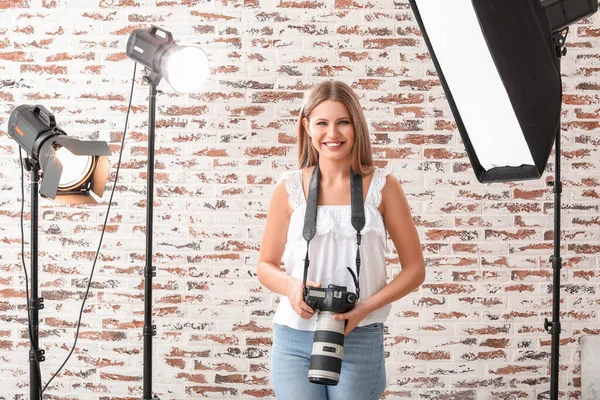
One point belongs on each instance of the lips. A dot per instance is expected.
(333, 145)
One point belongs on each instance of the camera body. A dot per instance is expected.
(336, 299)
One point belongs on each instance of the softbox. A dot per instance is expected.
(498, 67)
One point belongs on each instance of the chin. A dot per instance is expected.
(335, 157)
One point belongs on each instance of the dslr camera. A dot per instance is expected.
(328, 343)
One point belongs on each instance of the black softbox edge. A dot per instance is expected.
(499, 174)
(540, 142)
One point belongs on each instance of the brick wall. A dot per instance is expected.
(472, 331)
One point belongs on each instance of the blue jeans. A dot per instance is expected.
(363, 365)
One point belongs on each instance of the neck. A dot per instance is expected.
(334, 171)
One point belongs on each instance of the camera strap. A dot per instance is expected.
(358, 218)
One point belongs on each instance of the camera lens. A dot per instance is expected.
(328, 347)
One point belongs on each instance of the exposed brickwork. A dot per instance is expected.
(472, 331)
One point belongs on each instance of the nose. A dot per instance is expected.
(333, 131)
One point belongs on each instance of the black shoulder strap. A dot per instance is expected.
(358, 221)
(358, 218)
(356, 199)
(310, 218)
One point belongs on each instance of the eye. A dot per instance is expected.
(321, 123)
(344, 122)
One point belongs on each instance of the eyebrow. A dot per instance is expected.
(325, 119)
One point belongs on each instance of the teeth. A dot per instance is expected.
(333, 144)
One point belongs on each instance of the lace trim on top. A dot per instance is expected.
(374, 196)
(293, 186)
(336, 218)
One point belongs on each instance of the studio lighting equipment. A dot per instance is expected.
(186, 69)
(499, 65)
(563, 13)
(69, 170)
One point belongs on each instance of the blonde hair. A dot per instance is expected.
(362, 159)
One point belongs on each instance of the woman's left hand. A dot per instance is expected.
(354, 316)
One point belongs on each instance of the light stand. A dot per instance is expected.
(149, 270)
(35, 303)
(499, 65)
(69, 171)
(186, 69)
(553, 327)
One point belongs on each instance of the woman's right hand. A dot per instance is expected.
(295, 294)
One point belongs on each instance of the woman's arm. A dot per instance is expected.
(401, 227)
(271, 249)
(273, 243)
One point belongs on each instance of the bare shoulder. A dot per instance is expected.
(392, 183)
(280, 199)
(280, 189)
(392, 195)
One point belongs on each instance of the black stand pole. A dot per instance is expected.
(149, 270)
(35, 303)
(554, 327)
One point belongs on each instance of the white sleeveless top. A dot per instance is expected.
(333, 249)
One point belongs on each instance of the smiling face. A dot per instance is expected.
(331, 130)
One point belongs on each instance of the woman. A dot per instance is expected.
(333, 136)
